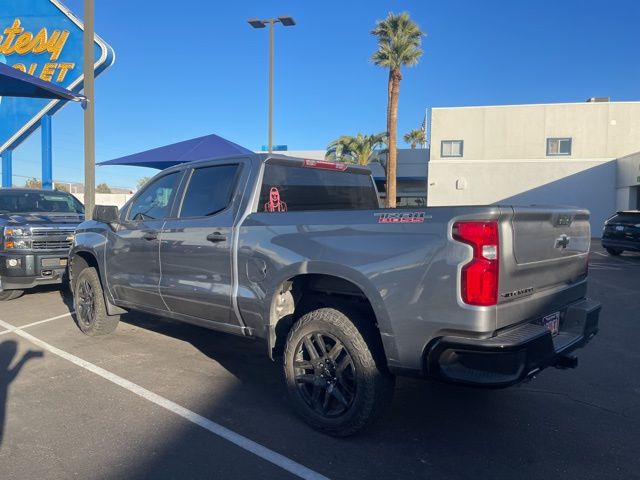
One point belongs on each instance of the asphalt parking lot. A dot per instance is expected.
(158, 399)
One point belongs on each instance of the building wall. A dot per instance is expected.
(117, 199)
(584, 183)
(598, 130)
(628, 182)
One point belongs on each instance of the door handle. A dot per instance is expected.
(216, 237)
(150, 235)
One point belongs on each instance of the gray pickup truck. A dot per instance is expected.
(298, 253)
(36, 231)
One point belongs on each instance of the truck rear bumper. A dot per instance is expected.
(621, 244)
(514, 354)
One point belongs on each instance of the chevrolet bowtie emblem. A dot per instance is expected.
(563, 241)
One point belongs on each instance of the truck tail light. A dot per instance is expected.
(479, 280)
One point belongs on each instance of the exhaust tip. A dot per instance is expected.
(566, 361)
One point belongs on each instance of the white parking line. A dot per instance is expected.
(617, 259)
(223, 432)
(38, 323)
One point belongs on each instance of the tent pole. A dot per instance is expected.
(89, 111)
(47, 153)
(7, 176)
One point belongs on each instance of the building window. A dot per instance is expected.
(451, 148)
(558, 146)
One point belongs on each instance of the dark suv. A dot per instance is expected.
(36, 232)
(622, 232)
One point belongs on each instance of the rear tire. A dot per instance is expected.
(88, 301)
(335, 372)
(7, 295)
(614, 251)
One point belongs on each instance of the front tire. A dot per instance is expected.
(7, 295)
(335, 373)
(88, 300)
(614, 251)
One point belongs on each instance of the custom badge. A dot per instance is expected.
(404, 217)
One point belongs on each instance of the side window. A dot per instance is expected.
(558, 146)
(451, 148)
(209, 192)
(155, 200)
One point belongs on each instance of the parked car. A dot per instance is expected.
(36, 232)
(621, 232)
(298, 253)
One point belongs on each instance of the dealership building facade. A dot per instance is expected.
(577, 154)
(580, 154)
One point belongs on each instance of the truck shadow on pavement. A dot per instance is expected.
(429, 429)
(258, 408)
(8, 374)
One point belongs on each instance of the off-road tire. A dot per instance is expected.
(372, 382)
(6, 295)
(614, 251)
(88, 301)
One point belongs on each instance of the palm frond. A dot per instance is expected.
(399, 41)
(360, 149)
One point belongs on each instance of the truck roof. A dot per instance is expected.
(279, 159)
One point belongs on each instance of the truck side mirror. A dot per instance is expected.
(106, 214)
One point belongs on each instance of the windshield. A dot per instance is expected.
(39, 202)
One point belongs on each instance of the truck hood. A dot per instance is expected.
(41, 218)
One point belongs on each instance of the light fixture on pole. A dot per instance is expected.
(256, 23)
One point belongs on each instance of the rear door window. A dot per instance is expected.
(210, 190)
(291, 188)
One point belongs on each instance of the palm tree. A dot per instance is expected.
(415, 137)
(360, 149)
(399, 40)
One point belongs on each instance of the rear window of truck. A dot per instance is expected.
(625, 217)
(294, 189)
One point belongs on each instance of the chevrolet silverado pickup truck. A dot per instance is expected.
(36, 231)
(299, 253)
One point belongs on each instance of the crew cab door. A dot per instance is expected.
(196, 246)
(133, 257)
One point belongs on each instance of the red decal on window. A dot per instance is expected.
(275, 204)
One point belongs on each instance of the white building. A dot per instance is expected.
(581, 154)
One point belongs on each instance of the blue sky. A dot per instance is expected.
(189, 68)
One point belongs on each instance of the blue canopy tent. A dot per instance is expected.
(200, 148)
(15, 83)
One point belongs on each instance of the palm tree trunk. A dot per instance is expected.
(396, 76)
(389, 87)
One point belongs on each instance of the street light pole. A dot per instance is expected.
(255, 23)
(271, 29)
(89, 112)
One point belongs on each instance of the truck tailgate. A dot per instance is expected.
(543, 262)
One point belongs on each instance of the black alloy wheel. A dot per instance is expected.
(325, 374)
(86, 303)
(91, 313)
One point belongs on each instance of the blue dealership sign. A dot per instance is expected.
(42, 38)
